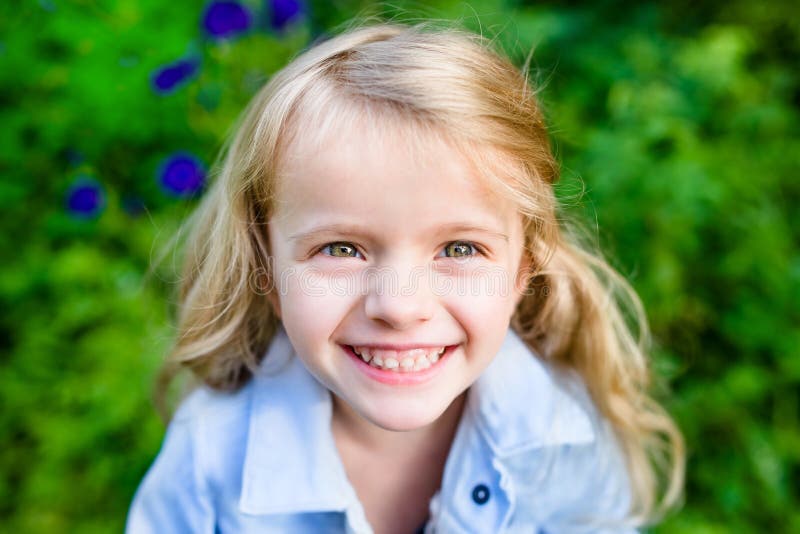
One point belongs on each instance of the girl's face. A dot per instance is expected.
(397, 257)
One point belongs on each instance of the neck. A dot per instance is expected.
(348, 426)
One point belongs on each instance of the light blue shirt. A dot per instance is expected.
(530, 455)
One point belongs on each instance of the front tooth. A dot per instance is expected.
(422, 363)
(390, 363)
(407, 363)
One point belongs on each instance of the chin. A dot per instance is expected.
(402, 425)
(404, 419)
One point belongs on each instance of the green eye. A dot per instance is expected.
(460, 249)
(340, 250)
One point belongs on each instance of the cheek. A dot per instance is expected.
(487, 292)
(312, 303)
(485, 317)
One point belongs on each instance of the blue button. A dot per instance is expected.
(480, 494)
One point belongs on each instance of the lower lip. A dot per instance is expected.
(397, 378)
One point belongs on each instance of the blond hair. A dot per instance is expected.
(578, 312)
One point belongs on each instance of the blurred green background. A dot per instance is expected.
(680, 119)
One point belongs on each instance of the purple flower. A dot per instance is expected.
(282, 12)
(181, 175)
(85, 197)
(225, 19)
(169, 77)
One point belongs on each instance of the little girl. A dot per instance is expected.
(393, 332)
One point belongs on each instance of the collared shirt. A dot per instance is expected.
(530, 455)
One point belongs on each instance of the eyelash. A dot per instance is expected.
(478, 250)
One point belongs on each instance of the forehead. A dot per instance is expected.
(379, 167)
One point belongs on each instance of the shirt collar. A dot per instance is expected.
(292, 465)
(523, 404)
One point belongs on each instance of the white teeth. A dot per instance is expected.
(422, 363)
(399, 361)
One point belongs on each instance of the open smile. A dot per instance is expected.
(403, 361)
(406, 368)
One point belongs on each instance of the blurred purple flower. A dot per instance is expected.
(282, 12)
(225, 19)
(85, 197)
(169, 77)
(181, 175)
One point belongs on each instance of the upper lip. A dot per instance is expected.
(402, 346)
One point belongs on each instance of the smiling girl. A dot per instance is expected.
(393, 332)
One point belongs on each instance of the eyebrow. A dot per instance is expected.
(302, 237)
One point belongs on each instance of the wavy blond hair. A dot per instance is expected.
(578, 311)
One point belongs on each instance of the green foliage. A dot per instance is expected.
(680, 122)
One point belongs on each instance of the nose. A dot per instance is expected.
(400, 298)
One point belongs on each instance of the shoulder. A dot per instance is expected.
(216, 425)
(197, 464)
(544, 430)
(206, 411)
(580, 485)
